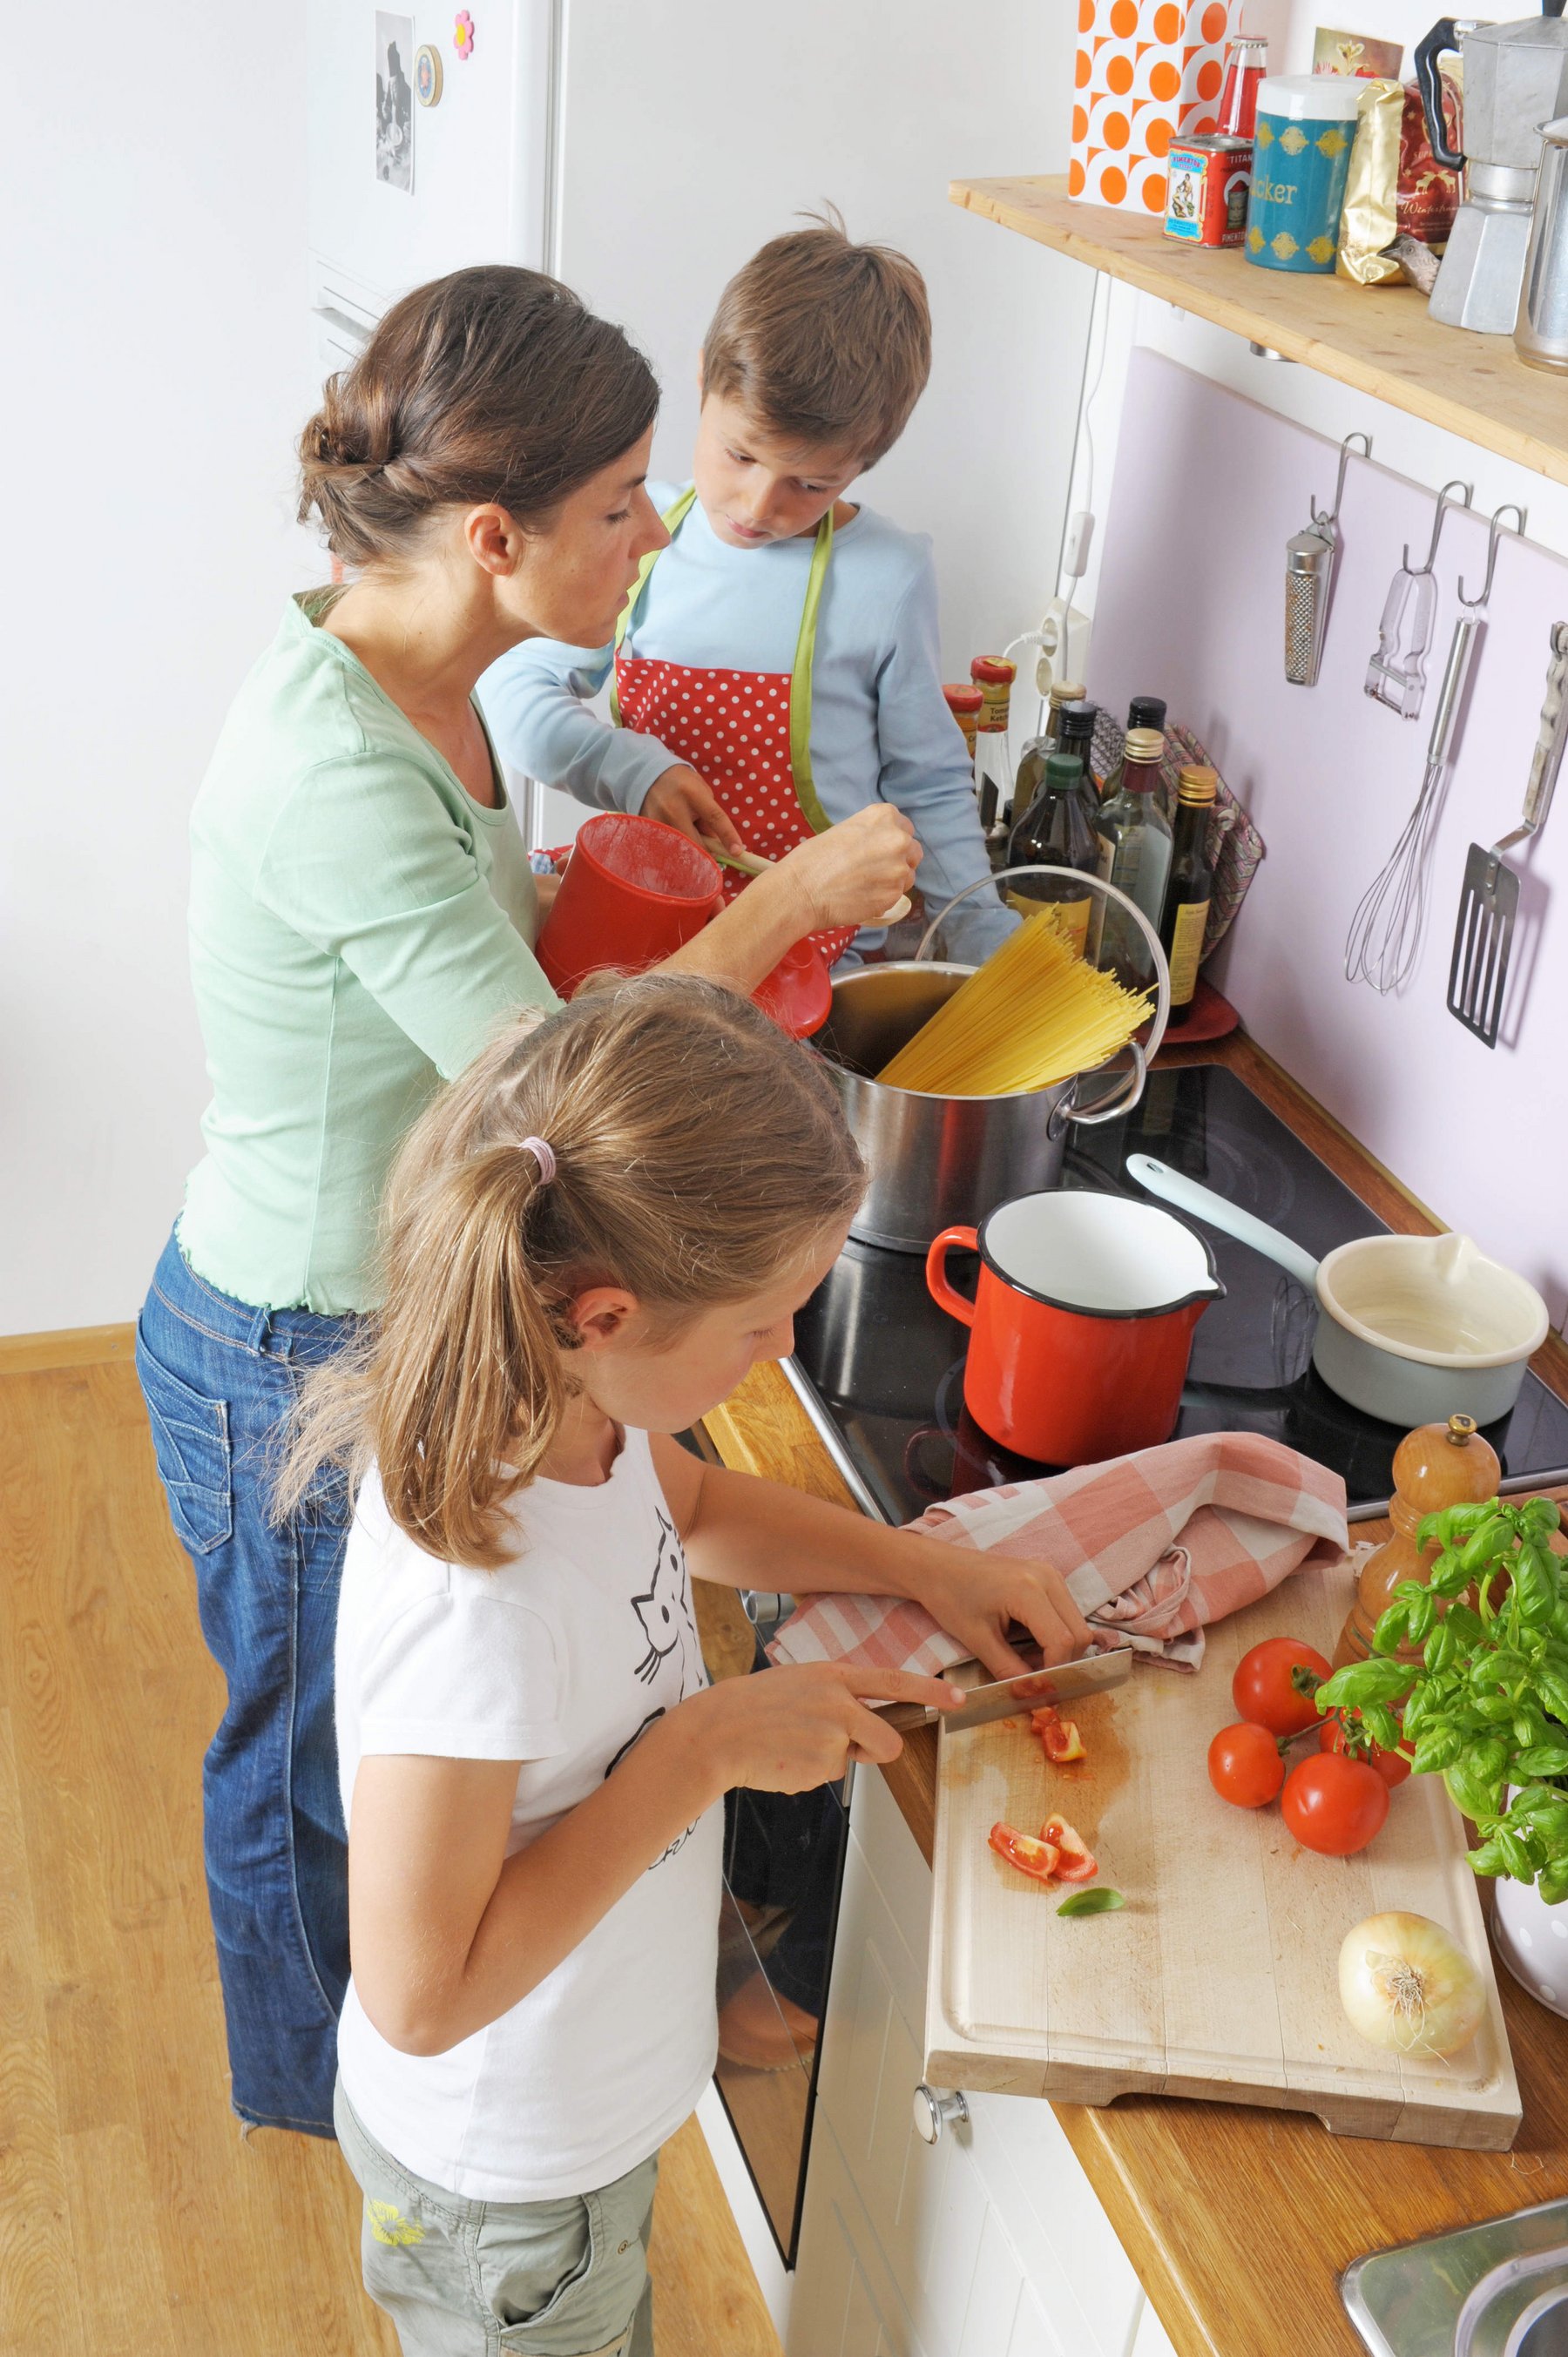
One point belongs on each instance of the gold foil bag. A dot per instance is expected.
(1369, 222)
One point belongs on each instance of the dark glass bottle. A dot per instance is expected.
(1075, 734)
(1134, 856)
(1148, 712)
(1058, 831)
(1190, 888)
(1031, 774)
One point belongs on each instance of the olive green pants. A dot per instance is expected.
(462, 2278)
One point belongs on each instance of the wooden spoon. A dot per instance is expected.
(751, 863)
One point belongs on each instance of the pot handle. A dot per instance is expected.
(941, 1292)
(1110, 892)
(1121, 1099)
(1185, 1195)
(1442, 41)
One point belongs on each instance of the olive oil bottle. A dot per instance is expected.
(1134, 854)
(1058, 831)
(1190, 888)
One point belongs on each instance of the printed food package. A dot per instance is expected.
(1146, 70)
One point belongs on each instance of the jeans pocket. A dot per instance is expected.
(194, 1451)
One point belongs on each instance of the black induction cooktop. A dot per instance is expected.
(880, 1368)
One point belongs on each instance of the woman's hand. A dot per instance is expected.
(681, 799)
(788, 1730)
(976, 1596)
(854, 873)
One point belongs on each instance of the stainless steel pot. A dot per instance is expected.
(1411, 1329)
(939, 1162)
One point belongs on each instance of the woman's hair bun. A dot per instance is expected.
(492, 385)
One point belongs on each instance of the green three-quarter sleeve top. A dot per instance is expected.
(359, 926)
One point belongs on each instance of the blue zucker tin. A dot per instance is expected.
(1301, 161)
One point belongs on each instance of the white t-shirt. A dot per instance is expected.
(561, 1660)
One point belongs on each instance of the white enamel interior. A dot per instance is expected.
(1098, 1252)
(1437, 1299)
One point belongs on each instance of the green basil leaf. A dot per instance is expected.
(1488, 1858)
(1421, 1613)
(1359, 1682)
(1437, 1748)
(1552, 1688)
(1494, 1709)
(1423, 1704)
(1469, 1628)
(1553, 1882)
(1542, 1759)
(1381, 1726)
(1102, 1901)
(1516, 1855)
(1440, 1646)
(1448, 1575)
(1541, 1516)
(1535, 1586)
(1484, 1546)
(1392, 1628)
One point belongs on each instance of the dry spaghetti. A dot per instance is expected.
(1033, 1015)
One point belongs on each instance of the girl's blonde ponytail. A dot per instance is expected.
(697, 1154)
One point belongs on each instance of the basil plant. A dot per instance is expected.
(1485, 1706)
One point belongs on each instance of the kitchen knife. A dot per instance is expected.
(1093, 1674)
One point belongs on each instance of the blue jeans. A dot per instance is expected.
(220, 1378)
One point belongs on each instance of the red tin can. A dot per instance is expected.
(1207, 184)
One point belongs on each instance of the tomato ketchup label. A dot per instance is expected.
(1206, 184)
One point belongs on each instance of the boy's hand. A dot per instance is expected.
(790, 1729)
(854, 873)
(976, 1596)
(681, 799)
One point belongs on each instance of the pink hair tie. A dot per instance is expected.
(544, 1156)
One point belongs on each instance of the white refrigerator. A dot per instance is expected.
(642, 152)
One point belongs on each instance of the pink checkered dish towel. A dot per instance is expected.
(1152, 1546)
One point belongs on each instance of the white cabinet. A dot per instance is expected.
(989, 2244)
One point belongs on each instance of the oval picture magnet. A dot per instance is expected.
(428, 75)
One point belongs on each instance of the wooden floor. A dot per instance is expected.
(134, 2217)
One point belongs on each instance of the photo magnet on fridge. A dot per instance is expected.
(395, 100)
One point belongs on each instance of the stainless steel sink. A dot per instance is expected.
(1499, 2289)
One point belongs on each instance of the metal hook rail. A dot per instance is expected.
(1508, 507)
(1326, 520)
(1419, 572)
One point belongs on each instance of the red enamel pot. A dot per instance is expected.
(1082, 1328)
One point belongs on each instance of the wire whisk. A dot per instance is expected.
(1386, 929)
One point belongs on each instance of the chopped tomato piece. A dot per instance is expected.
(1059, 1737)
(1074, 1863)
(1038, 1858)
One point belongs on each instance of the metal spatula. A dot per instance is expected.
(1488, 902)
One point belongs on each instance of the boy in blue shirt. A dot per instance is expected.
(777, 666)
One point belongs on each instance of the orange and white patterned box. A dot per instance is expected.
(1146, 70)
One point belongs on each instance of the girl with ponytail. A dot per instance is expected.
(589, 1238)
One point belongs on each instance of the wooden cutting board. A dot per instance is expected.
(1220, 1977)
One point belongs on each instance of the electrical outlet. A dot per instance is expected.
(1064, 651)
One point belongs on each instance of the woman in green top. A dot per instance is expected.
(363, 917)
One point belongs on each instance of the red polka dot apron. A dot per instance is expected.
(747, 733)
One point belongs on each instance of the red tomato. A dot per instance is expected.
(1059, 1737)
(1393, 1766)
(1038, 1858)
(1333, 1804)
(1263, 1691)
(1074, 1863)
(1244, 1765)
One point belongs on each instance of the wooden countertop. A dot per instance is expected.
(1239, 2221)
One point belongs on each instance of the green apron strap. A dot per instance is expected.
(806, 794)
(673, 519)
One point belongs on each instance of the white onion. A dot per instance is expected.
(1405, 1982)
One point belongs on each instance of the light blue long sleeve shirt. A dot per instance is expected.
(880, 727)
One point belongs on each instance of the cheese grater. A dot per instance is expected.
(1309, 573)
(1310, 560)
(1488, 901)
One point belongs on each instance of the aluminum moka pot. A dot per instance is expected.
(1516, 76)
(935, 1161)
(1541, 331)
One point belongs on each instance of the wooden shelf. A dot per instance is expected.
(1380, 340)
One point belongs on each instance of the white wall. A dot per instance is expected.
(151, 183)
(875, 106)
(1367, 1058)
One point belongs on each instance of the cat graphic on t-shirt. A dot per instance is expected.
(662, 1607)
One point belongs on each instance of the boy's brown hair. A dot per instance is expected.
(824, 342)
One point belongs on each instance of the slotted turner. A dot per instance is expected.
(1488, 902)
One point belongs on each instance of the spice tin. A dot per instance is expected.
(1301, 161)
(1206, 184)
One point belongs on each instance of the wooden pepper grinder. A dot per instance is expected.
(1436, 1465)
